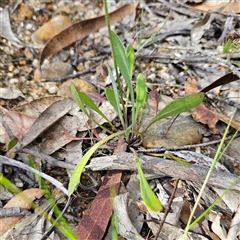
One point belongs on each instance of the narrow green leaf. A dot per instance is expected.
(122, 63)
(9, 185)
(89, 102)
(114, 102)
(131, 59)
(79, 102)
(178, 106)
(141, 95)
(121, 58)
(12, 143)
(76, 175)
(150, 199)
(228, 45)
(116, 96)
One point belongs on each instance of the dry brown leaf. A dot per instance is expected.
(37, 106)
(82, 29)
(200, 27)
(235, 123)
(47, 118)
(22, 200)
(214, 5)
(200, 113)
(95, 221)
(18, 122)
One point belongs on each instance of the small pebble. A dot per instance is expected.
(28, 26)
(53, 89)
(13, 80)
(35, 62)
(152, 76)
(18, 182)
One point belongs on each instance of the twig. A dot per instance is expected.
(13, 212)
(12, 162)
(168, 208)
(74, 75)
(49, 159)
(186, 147)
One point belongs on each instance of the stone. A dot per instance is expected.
(50, 29)
(80, 84)
(24, 11)
(52, 71)
(184, 130)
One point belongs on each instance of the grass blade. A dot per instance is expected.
(76, 175)
(178, 106)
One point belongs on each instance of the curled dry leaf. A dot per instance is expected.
(199, 28)
(22, 200)
(200, 113)
(6, 31)
(82, 29)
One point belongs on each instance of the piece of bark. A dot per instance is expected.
(154, 167)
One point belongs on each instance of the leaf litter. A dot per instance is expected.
(53, 134)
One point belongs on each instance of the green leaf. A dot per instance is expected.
(79, 102)
(141, 95)
(121, 58)
(114, 102)
(130, 58)
(117, 106)
(122, 63)
(12, 143)
(150, 199)
(228, 45)
(76, 175)
(89, 102)
(178, 106)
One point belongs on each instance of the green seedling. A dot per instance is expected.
(124, 61)
(149, 198)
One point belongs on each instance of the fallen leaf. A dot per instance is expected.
(124, 225)
(95, 221)
(82, 29)
(36, 107)
(200, 113)
(46, 119)
(7, 93)
(199, 28)
(230, 77)
(235, 123)
(6, 31)
(212, 5)
(18, 122)
(22, 200)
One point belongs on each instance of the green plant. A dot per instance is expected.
(124, 64)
